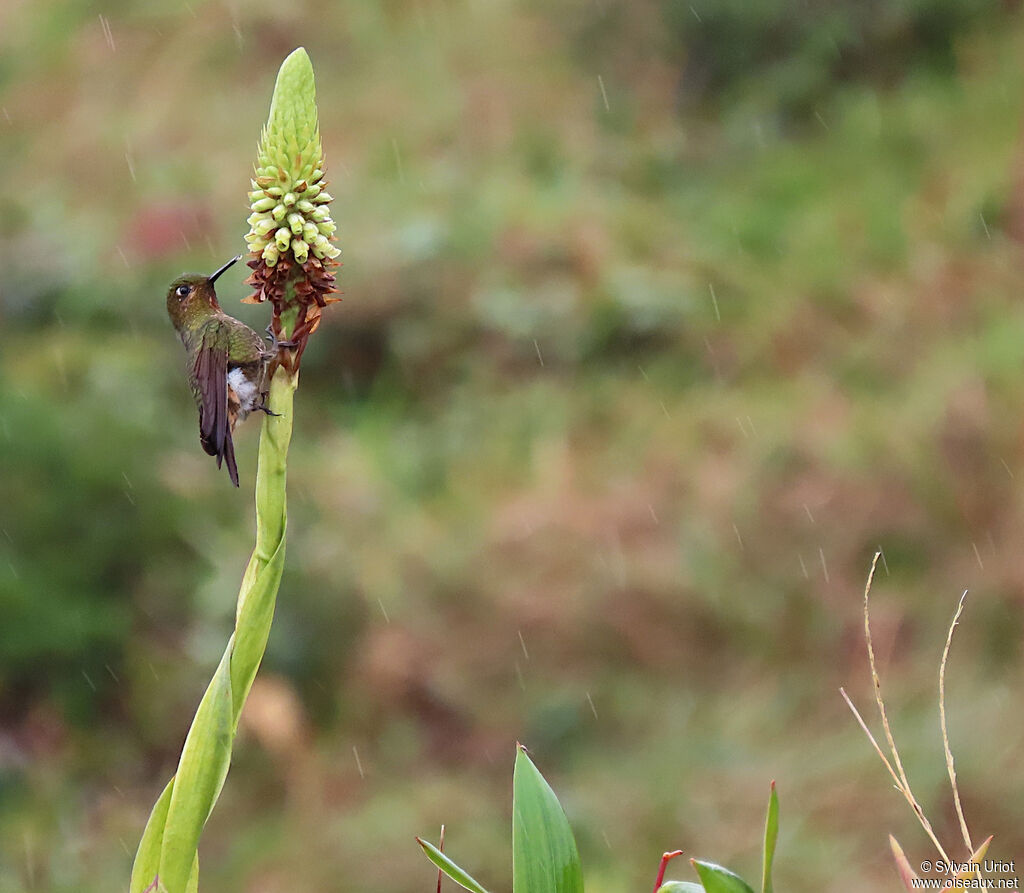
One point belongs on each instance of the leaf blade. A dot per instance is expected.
(771, 836)
(200, 777)
(544, 854)
(457, 874)
(717, 879)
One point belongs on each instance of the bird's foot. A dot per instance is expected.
(263, 408)
(275, 343)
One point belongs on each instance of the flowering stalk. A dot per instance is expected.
(293, 274)
(291, 230)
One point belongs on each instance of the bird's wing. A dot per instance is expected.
(211, 377)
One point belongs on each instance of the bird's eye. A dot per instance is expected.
(182, 291)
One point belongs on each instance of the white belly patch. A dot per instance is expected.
(244, 389)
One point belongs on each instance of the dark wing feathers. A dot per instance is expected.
(211, 377)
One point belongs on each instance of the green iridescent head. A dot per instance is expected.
(192, 295)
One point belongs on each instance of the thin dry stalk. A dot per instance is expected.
(871, 738)
(942, 722)
(899, 774)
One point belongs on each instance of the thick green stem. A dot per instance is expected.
(167, 854)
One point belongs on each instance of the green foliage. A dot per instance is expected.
(771, 838)
(544, 856)
(450, 868)
(716, 879)
(788, 57)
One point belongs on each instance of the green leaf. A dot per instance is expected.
(544, 855)
(771, 836)
(197, 784)
(680, 887)
(147, 859)
(717, 879)
(462, 878)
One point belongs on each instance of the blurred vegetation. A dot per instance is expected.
(659, 318)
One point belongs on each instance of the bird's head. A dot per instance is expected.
(192, 296)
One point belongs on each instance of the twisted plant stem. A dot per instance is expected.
(166, 859)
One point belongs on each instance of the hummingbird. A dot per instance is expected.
(226, 366)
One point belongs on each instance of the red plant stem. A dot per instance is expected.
(665, 859)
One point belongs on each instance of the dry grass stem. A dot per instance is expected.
(942, 723)
(871, 738)
(899, 774)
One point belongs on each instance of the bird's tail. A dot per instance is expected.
(229, 458)
(225, 453)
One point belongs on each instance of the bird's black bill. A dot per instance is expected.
(234, 260)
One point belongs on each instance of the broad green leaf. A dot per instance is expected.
(461, 877)
(680, 887)
(544, 855)
(717, 879)
(771, 835)
(197, 784)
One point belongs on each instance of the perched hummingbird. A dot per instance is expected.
(227, 362)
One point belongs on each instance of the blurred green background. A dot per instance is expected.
(659, 318)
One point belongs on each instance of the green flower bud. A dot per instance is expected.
(289, 158)
(299, 222)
